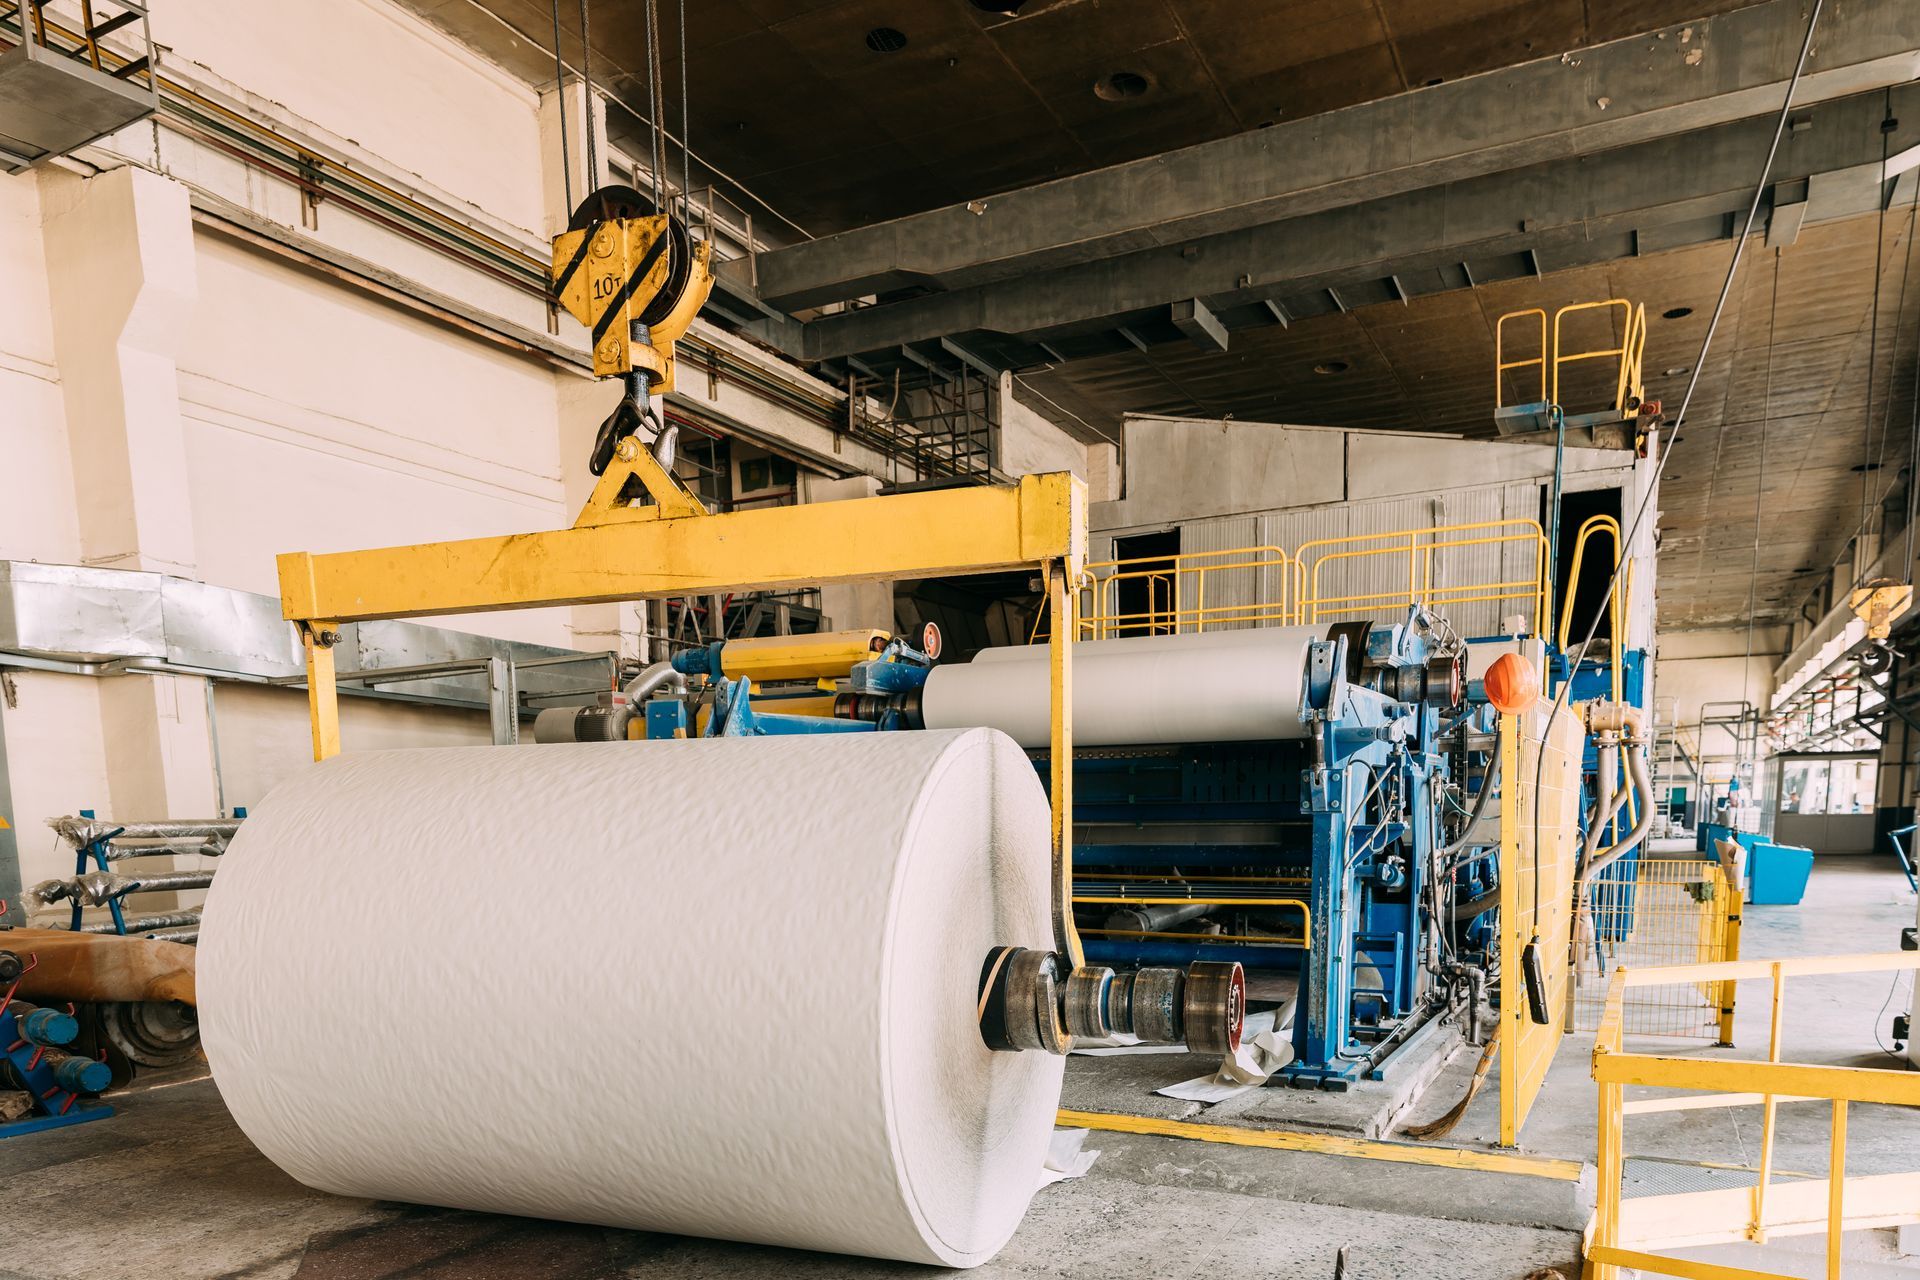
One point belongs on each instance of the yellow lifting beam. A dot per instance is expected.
(619, 552)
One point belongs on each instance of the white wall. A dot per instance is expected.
(38, 517)
(1693, 668)
(345, 422)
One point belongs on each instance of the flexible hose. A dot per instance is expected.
(654, 678)
(1643, 783)
(1487, 786)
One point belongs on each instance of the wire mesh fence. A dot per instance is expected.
(1645, 912)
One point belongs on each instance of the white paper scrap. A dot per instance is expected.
(1248, 1067)
(1065, 1159)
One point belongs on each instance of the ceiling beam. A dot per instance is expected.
(1581, 208)
(1201, 327)
(1685, 77)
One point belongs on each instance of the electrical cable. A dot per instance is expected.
(1883, 1013)
(1899, 322)
(1913, 427)
(560, 99)
(1693, 383)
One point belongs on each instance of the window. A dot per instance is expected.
(1815, 786)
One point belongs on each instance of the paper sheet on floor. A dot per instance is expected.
(1065, 1159)
(1264, 1049)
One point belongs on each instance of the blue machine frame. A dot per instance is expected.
(1351, 808)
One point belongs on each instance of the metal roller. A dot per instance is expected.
(1087, 989)
(1215, 1007)
(1158, 1004)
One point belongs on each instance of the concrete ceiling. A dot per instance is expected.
(1428, 364)
(1546, 167)
(788, 98)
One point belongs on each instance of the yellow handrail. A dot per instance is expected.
(1633, 340)
(1628, 1233)
(1500, 362)
(1164, 578)
(1312, 604)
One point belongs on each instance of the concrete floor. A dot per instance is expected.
(169, 1188)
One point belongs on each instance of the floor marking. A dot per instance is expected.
(1328, 1144)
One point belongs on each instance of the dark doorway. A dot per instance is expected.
(1147, 595)
(1596, 567)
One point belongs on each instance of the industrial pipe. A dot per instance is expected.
(606, 723)
(84, 831)
(1154, 919)
(1643, 783)
(140, 924)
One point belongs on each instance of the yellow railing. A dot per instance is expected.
(1264, 586)
(1501, 364)
(1552, 358)
(1315, 601)
(1629, 1232)
(1184, 593)
(1633, 341)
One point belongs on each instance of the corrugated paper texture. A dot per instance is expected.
(517, 979)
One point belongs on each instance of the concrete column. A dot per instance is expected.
(120, 272)
(159, 756)
(852, 604)
(159, 749)
(122, 279)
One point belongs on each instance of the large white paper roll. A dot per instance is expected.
(721, 987)
(1211, 686)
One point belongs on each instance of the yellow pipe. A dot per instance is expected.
(804, 657)
(1200, 937)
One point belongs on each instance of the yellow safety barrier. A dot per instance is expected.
(1184, 593)
(1315, 601)
(1218, 590)
(1536, 892)
(1631, 1232)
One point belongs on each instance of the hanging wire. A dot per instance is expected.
(560, 97)
(1693, 382)
(1873, 330)
(686, 130)
(1760, 480)
(654, 62)
(1899, 323)
(592, 182)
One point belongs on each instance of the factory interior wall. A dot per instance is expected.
(1692, 668)
(1030, 444)
(1231, 484)
(180, 400)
